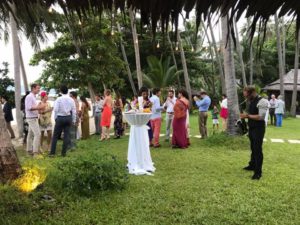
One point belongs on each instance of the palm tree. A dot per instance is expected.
(296, 70)
(24, 75)
(161, 73)
(136, 48)
(174, 58)
(126, 61)
(10, 165)
(280, 59)
(230, 80)
(17, 74)
(240, 53)
(250, 53)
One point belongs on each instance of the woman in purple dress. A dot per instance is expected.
(179, 139)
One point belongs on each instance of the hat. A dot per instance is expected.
(43, 94)
(202, 91)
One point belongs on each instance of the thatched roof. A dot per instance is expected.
(288, 80)
(162, 10)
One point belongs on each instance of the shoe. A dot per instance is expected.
(175, 146)
(151, 145)
(51, 155)
(12, 137)
(157, 146)
(256, 177)
(118, 137)
(167, 140)
(249, 168)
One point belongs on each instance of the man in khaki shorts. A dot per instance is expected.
(32, 112)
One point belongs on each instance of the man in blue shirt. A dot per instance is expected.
(203, 105)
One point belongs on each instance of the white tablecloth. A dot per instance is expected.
(139, 157)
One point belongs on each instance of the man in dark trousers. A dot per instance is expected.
(65, 116)
(257, 109)
(8, 116)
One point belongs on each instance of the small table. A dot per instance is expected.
(139, 157)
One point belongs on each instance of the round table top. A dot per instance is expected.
(137, 118)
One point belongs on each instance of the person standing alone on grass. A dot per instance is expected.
(98, 107)
(8, 116)
(169, 107)
(273, 102)
(257, 109)
(156, 116)
(279, 111)
(65, 116)
(32, 113)
(106, 115)
(203, 105)
(214, 115)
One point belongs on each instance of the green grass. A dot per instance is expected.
(202, 185)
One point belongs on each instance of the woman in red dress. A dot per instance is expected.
(106, 115)
(179, 139)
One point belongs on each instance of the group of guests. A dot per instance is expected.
(276, 110)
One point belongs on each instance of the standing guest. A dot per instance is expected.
(169, 107)
(147, 105)
(279, 111)
(45, 119)
(156, 116)
(32, 112)
(25, 124)
(224, 112)
(214, 115)
(8, 116)
(106, 115)
(179, 138)
(203, 105)
(98, 107)
(85, 118)
(64, 115)
(257, 109)
(118, 123)
(273, 102)
(74, 126)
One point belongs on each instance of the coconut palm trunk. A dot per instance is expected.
(174, 58)
(283, 45)
(218, 57)
(185, 70)
(296, 70)
(240, 53)
(230, 80)
(9, 164)
(17, 73)
(136, 48)
(126, 62)
(280, 59)
(24, 75)
(250, 53)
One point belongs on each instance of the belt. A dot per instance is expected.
(202, 111)
(31, 118)
(64, 116)
(170, 112)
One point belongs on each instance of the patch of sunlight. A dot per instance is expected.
(30, 179)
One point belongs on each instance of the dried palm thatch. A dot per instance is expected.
(153, 11)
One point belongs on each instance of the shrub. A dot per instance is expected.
(92, 173)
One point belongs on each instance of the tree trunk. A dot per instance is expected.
(17, 74)
(24, 75)
(231, 86)
(296, 67)
(219, 61)
(250, 54)
(174, 59)
(280, 59)
(136, 48)
(240, 53)
(185, 70)
(9, 164)
(126, 62)
(283, 45)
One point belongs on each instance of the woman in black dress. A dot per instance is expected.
(118, 124)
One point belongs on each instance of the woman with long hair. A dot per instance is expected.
(144, 92)
(106, 115)
(45, 119)
(85, 118)
(179, 138)
(224, 112)
(118, 123)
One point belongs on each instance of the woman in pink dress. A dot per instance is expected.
(106, 115)
(179, 139)
(224, 112)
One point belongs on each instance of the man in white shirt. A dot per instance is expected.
(156, 116)
(98, 107)
(169, 107)
(273, 102)
(65, 116)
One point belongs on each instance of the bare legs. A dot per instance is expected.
(105, 134)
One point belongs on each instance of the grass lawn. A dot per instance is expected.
(202, 185)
